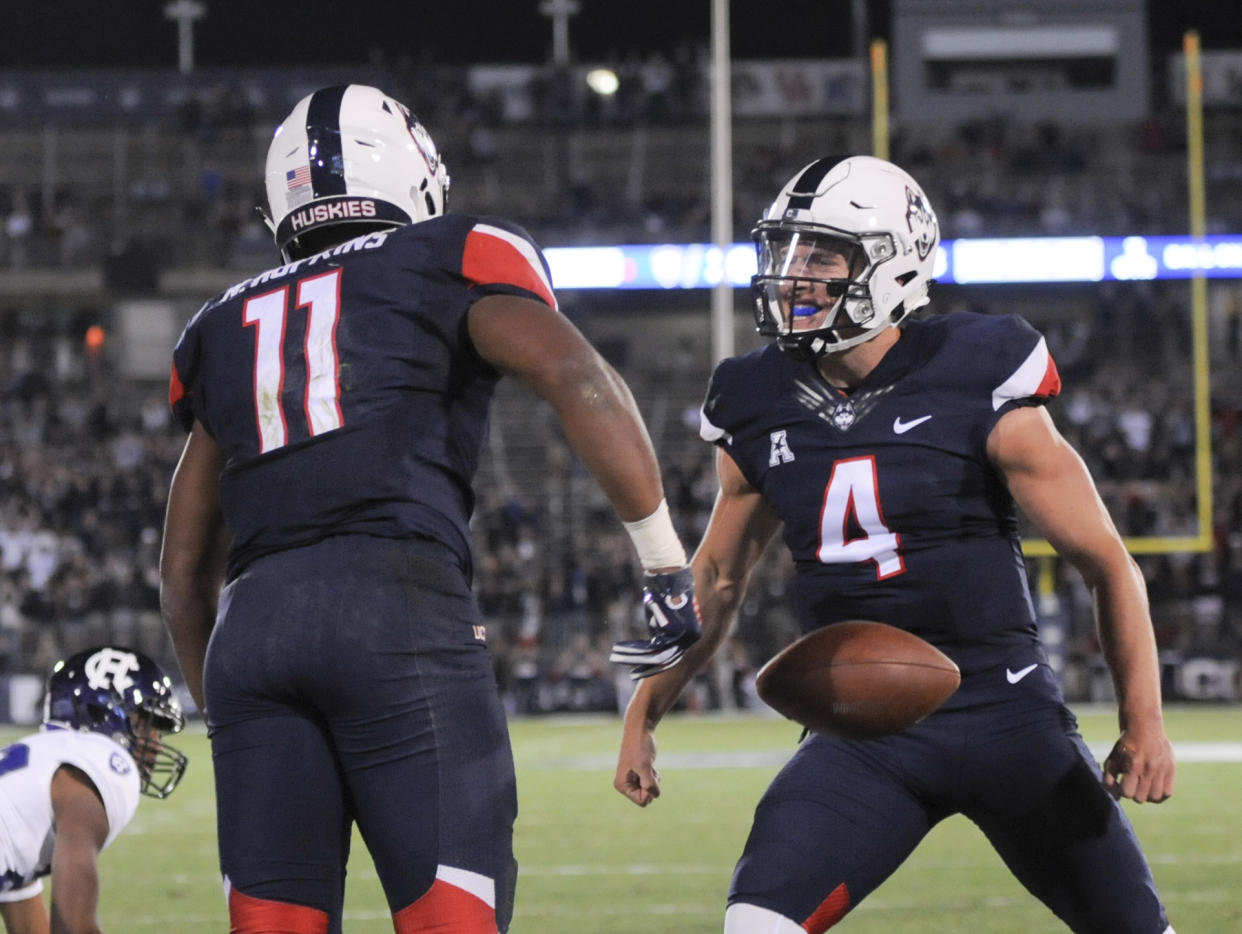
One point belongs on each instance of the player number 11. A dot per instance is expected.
(321, 399)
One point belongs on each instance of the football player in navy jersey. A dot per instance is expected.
(337, 406)
(891, 453)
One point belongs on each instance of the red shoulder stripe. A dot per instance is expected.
(493, 255)
(176, 391)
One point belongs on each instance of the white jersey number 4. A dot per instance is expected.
(852, 505)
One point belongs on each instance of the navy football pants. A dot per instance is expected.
(840, 817)
(345, 682)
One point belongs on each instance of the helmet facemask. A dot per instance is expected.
(812, 291)
(160, 766)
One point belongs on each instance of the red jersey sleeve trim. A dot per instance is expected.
(1037, 377)
(176, 391)
(493, 256)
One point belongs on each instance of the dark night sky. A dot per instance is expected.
(90, 33)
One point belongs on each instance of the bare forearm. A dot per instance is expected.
(189, 618)
(536, 344)
(190, 583)
(61, 926)
(718, 603)
(194, 555)
(28, 916)
(75, 897)
(605, 429)
(1127, 639)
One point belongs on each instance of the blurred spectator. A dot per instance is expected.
(84, 470)
(18, 226)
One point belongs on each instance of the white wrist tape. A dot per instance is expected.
(656, 540)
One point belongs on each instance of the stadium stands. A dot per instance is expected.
(86, 451)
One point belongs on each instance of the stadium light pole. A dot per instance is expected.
(722, 178)
(559, 11)
(184, 13)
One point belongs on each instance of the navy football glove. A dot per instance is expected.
(672, 619)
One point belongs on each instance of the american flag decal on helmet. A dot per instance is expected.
(299, 176)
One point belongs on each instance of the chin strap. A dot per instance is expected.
(267, 218)
(805, 348)
(812, 347)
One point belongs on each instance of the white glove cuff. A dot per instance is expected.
(656, 540)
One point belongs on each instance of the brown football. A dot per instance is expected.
(858, 680)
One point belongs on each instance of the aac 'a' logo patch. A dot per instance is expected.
(781, 452)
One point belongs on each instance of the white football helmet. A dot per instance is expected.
(868, 222)
(349, 155)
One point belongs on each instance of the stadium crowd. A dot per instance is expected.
(86, 455)
(627, 168)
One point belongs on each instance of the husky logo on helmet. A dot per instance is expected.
(422, 139)
(921, 223)
(845, 252)
(347, 160)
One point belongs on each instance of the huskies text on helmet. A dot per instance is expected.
(845, 251)
(122, 694)
(349, 158)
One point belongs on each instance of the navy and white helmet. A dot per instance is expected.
(124, 695)
(353, 156)
(865, 210)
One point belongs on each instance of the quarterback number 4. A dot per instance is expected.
(321, 296)
(851, 522)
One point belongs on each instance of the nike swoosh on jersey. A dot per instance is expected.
(900, 427)
(1015, 676)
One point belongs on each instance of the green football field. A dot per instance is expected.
(592, 863)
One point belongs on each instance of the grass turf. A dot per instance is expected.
(592, 863)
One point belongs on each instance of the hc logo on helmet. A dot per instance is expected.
(110, 668)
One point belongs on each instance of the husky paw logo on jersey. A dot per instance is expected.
(838, 411)
(111, 668)
(921, 222)
(843, 416)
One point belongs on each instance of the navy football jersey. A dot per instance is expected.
(892, 510)
(344, 389)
